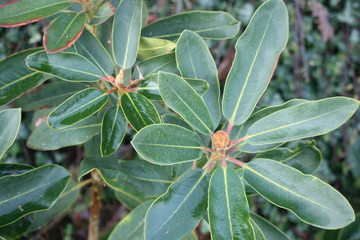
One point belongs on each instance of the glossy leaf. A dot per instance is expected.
(9, 126)
(139, 111)
(171, 119)
(18, 13)
(193, 56)
(78, 107)
(63, 31)
(15, 230)
(229, 214)
(137, 177)
(304, 120)
(268, 229)
(126, 32)
(351, 232)
(113, 130)
(64, 65)
(49, 95)
(312, 200)
(176, 213)
(16, 77)
(105, 11)
(183, 99)
(13, 169)
(167, 144)
(128, 200)
(212, 25)
(165, 63)
(45, 138)
(262, 42)
(151, 47)
(132, 226)
(91, 48)
(32, 191)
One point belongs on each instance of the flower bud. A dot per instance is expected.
(221, 139)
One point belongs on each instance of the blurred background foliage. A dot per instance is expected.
(322, 59)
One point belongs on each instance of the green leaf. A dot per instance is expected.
(139, 111)
(49, 95)
(312, 200)
(16, 77)
(13, 169)
(351, 232)
(91, 48)
(126, 32)
(113, 130)
(353, 157)
(78, 107)
(135, 178)
(306, 157)
(176, 213)
(170, 118)
(17, 13)
(15, 230)
(193, 56)
(212, 25)
(132, 226)
(64, 65)
(63, 31)
(128, 200)
(183, 99)
(151, 47)
(268, 229)
(45, 138)
(32, 191)
(105, 11)
(10, 120)
(165, 63)
(167, 144)
(262, 42)
(229, 214)
(304, 120)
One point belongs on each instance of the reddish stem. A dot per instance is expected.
(229, 128)
(209, 149)
(112, 90)
(239, 140)
(223, 160)
(238, 162)
(194, 165)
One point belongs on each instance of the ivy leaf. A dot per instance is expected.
(167, 144)
(312, 200)
(176, 213)
(10, 120)
(262, 42)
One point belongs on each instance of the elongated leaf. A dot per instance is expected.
(183, 99)
(50, 95)
(308, 119)
(64, 65)
(165, 63)
(268, 229)
(259, 235)
(16, 77)
(229, 214)
(17, 13)
(126, 32)
(176, 213)
(311, 199)
(132, 226)
(63, 31)
(151, 47)
(262, 42)
(9, 126)
(139, 111)
(13, 169)
(171, 119)
(212, 25)
(136, 177)
(167, 144)
(45, 138)
(113, 130)
(351, 232)
(105, 11)
(78, 107)
(32, 191)
(128, 200)
(15, 230)
(91, 48)
(193, 56)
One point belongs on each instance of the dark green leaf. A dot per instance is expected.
(13, 169)
(10, 120)
(353, 157)
(176, 213)
(105, 11)
(169, 118)
(129, 200)
(151, 47)
(139, 111)
(113, 130)
(32, 191)
(165, 63)
(311, 199)
(78, 107)
(15, 230)
(262, 42)
(212, 25)
(229, 214)
(167, 144)
(268, 229)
